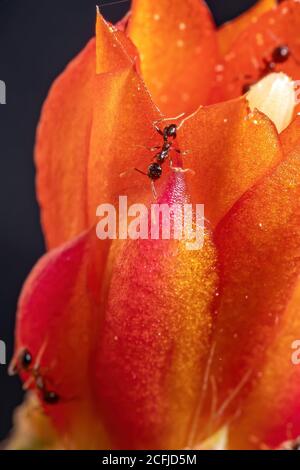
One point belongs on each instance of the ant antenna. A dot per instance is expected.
(169, 119)
(40, 355)
(153, 190)
(13, 367)
(140, 171)
(28, 382)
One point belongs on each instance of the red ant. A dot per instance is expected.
(24, 362)
(169, 134)
(279, 55)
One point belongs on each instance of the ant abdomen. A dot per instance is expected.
(154, 171)
(50, 397)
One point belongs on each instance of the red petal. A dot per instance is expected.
(271, 414)
(230, 31)
(57, 317)
(244, 63)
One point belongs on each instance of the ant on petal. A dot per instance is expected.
(25, 363)
(279, 55)
(168, 134)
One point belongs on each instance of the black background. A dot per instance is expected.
(37, 40)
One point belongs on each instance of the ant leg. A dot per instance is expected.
(37, 364)
(125, 173)
(36, 368)
(13, 367)
(296, 60)
(153, 190)
(152, 149)
(158, 129)
(159, 121)
(184, 153)
(145, 174)
(132, 169)
(140, 171)
(177, 169)
(169, 119)
(28, 382)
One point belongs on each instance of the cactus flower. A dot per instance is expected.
(142, 344)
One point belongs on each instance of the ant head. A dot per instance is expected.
(171, 131)
(246, 87)
(25, 359)
(51, 398)
(154, 171)
(281, 54)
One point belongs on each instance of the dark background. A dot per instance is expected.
(37, 39)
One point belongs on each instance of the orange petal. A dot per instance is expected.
(230, 149)
(174, 43)
(122, 130)
(114, 50)
(89, 123)
(258, 245)
(291, 136)
(230, 31)
(62, 149)
(244, 63)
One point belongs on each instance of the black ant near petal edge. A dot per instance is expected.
(169, 135)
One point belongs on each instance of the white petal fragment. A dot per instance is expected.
(275, 96)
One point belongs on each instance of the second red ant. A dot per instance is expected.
(25, 363)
